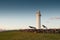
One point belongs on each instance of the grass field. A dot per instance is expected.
(17, 35)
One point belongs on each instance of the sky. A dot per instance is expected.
(20, 14)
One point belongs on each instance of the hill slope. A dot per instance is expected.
(17, 35)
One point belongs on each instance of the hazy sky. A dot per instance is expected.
(17, 14)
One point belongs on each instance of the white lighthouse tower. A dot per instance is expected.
(38, 20)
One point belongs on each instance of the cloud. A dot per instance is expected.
(54, 18)
(47, 21)
(57, 17)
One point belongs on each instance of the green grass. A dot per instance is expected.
(17, 35)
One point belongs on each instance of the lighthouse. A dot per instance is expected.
(38, 20)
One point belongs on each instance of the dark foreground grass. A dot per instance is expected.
(17, 35)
